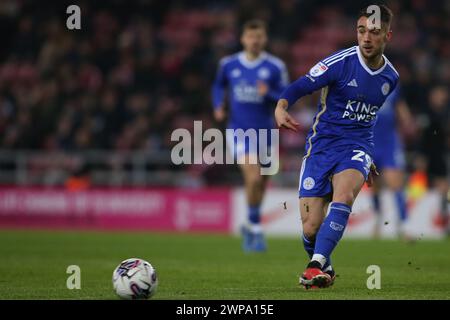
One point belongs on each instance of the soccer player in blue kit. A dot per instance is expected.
(254, 79)
(389, 156)
(355, 82)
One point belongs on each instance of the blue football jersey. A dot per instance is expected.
(240, 76)
(388, 145)
(386, 126)
(351, 96)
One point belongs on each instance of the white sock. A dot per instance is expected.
(329, 268)
(319, 258)
(255, 227)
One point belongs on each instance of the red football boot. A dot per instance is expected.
(313, 277)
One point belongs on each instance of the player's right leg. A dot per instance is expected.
(255, 184)
(313, 211)
(315, 194)
(376, 188)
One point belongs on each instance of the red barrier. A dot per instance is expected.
(140, 209)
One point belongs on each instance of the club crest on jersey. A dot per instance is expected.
(385, 88)
(263, 73)
(318, 69)
(308, 183)
(236, 73)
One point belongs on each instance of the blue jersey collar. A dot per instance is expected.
(251, 64)
(363, 64)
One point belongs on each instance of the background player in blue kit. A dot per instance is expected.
(355, 83)
(389, 156)
(255, 80)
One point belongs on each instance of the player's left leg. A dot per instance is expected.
(394, 180)
(379, 160)
(255, 185)
(346, 186)
(441, 185)
(376, 202)
(391, 161)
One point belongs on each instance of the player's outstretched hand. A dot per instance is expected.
(220, 114)
(283, 118)
(373, 172)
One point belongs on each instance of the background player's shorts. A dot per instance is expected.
(318, 168)
(241, 147)
(389, 154)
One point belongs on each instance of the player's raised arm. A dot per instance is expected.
(218, 92)
(318, 77)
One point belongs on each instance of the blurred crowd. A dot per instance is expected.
(137, 70)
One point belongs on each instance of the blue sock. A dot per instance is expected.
(331, 230)
(376, 202)
(309, 248)
(308, 245)
(254, 215)
(401, 205)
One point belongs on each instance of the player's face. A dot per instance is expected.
(372, 41)
(254, 40)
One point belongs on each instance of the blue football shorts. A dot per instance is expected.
(318, 168)
(389, 154)
(254, 145)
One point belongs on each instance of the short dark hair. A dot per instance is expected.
(254, 24)
(385, 12)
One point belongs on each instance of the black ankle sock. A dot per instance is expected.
(330, 272)
(314, 264)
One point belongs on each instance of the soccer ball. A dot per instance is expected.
(135, 279)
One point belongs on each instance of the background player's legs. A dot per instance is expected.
(376, 188)
(255, 185)
(393, 179)
(441, 185)
(346, 186)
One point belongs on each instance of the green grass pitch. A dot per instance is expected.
(198, 266)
